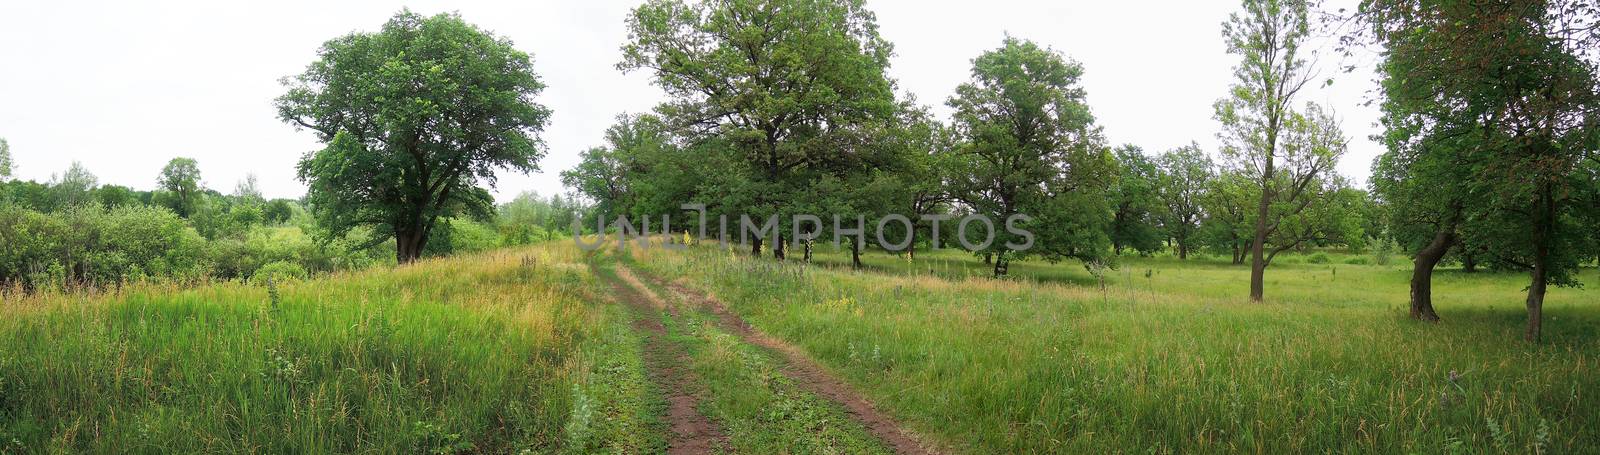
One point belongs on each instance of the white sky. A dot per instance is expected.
(123, 87)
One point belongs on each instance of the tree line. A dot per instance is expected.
(783, 108)
(1492, 118)
(72, 231)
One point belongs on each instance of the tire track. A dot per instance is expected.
(668, 367)
(805, 372)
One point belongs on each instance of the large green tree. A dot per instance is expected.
(416, 119)
(1182, 176)
(641, 171)
(782, 84)
(1259, 119)
(1490, 114)
(1030, 148)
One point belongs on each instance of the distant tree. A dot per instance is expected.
(414, 118)
(780, 85)
(921, 157)
(638, 172)
(602, 176)
(1183, 174)
(39, 197)
(5, 160)
(1030, 148)
(278, 211)
(73, 188)
(1135, 203)
(181, 179)
(1230, 201)
(247, 191)
(563, 212)
(113, 196)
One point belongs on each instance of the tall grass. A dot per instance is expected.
(1176, 360)
(496, 353)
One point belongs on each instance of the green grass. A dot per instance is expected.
(488, 353)
(757, 406)
(525, 350)
(1180, 361)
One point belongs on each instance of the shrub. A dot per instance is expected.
(279, 272)
(455, 236)
(89, 245)
(1319, 258)
(1383, 254)
(1356, 261)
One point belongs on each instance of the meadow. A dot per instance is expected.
(531, 349)
(1170, 356)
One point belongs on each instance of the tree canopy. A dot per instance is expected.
(416, 119)
(1182, 177)
(181, 179)
(1031, 148)
(1287, 156)
(782, 84)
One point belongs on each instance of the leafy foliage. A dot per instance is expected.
(414, 118)
(1030, 148)
(783, 86)
(1182, 177)
(1135, 203)
(181, 179)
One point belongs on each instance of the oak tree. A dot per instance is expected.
(415, 119)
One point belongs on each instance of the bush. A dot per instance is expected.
(1319, 258)
(455, 236)
(1383, 254)
(90, 245)
(1356, 261)
(279, 272)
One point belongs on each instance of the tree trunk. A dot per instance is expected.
(408, 245)
(1183, 251)
(1000, 267)
(755, 247)
(1542, 233)
(988, 258)
(1422, 273)
(1536, 300)
(1258, 254)
(1258, 247)
(911, 251)
(855, 253)
(779, 249)
(1469, 263)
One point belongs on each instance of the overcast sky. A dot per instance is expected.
(125, 86)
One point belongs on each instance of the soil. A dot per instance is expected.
(668, 367)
